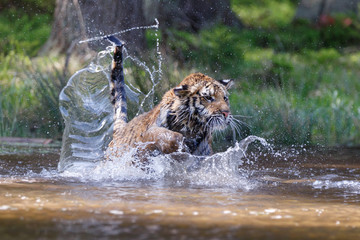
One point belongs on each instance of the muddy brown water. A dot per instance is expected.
(307, 194)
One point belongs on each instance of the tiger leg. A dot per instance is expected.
(163, 140)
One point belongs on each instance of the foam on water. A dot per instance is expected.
(86, 108)
(218, 170)
(350, 186)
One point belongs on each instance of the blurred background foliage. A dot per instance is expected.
(297, 82)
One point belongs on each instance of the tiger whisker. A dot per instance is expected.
(235, 128)
(240, 122)
(243, 116)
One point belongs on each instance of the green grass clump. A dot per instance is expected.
(15, 94)
(314, 107)
(29, 105)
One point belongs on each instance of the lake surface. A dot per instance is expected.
(292, 193)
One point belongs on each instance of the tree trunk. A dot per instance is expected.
(312, 10)
(81, 19)
(112, 16)
(65, 31)
(77, 20)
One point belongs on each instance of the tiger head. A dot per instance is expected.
(201, 105)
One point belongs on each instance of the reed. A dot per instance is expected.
(29, 104)
(310, 108)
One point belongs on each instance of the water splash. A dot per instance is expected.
(86, 108)
(348, 185)
(155, 26)
(88, 116)
(218, 170)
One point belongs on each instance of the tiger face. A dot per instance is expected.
(201, 105)
(214, 101)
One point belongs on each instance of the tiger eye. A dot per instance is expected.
(209, 98)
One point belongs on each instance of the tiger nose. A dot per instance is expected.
(225, 113)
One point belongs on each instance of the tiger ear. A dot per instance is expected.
(181, 90)
(228, 83)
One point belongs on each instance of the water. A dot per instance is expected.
(275, 194)
(85, 102)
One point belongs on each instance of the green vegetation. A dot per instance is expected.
(295, 83)
(29, 96)
(25, 108)
(264, 13)
(23, 33)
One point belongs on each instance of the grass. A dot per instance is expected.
(15, 96)
(296, 83)
(29, 96)
(324, 114)
(301, 98)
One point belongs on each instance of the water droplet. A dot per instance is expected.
(116, 212)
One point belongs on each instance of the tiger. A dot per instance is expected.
(183, 121)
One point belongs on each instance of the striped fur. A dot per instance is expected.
(183, 121)
(118, 94)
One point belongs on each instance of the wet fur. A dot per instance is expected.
(183, 121)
